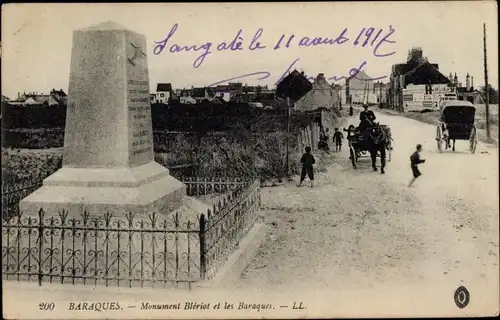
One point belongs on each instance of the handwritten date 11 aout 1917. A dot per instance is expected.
(371, 36)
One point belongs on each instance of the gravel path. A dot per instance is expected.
(360, 229)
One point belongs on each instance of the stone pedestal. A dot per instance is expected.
(108, 160)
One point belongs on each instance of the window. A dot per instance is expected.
(162, 95)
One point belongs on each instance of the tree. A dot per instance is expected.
(493, 94)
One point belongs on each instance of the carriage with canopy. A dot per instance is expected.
(456, 122)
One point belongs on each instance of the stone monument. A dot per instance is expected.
(108, 160)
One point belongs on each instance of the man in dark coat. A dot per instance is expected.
(366, 118)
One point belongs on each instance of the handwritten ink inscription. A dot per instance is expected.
(353, 73)
(373, 37)
(140, 109)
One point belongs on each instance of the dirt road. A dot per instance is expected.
(361, 229)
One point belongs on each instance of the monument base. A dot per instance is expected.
(143, 189)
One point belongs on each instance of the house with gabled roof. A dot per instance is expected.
(163, 92)
(322, 95)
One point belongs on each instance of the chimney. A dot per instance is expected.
(455, 79)
(467, 81)
(472, 82)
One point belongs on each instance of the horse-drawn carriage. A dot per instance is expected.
(456, 122)
(376, 140)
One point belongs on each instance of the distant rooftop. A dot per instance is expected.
(161, 87)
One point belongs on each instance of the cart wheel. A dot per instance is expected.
(352, 156)
(439, 139)
(473, 140)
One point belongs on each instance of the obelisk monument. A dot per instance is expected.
(108, 160)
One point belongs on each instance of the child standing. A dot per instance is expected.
(338, 136)
(307, 161)
(415, 161)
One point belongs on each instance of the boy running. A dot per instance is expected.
(337, 137)
(415, 161)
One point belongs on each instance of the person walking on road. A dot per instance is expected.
(307, 161)
(337, 137)
(323, 140)
(415, 161)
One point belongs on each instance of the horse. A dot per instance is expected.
(379, 140)
(446, 138)
(388, 140)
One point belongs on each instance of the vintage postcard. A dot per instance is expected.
(250, 160)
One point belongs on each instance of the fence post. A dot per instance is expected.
(315, 135)
(304, 139)
(309, 137)
(299, 143)
(306, 136)
(203, 266)
(40, 246)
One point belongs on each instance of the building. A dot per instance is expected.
(417, 84)
(380, 91)
(163, 92)
(466, 92)
(53, 99)
(322, 95)
(223, 92)
(360, 90)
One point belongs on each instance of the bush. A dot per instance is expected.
(253, 141)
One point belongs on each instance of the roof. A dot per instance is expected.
(235, 86)
(222, 88)
(295, 85)
(359, 81)
(163, 87)
(249, 89)
(322, 95)
(39, 98)
(60, 92)
(455, 103)
(402, 68)
(425, 73)
(459, 111)
(464, 90)
(198, 92)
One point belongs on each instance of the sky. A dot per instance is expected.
(37, 39)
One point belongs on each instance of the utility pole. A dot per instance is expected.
(287, 137)
(486, 86)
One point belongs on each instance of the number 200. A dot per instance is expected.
(47, 306)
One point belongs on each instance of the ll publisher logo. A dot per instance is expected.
(462, 297)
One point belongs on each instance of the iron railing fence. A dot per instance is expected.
(154, 250)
